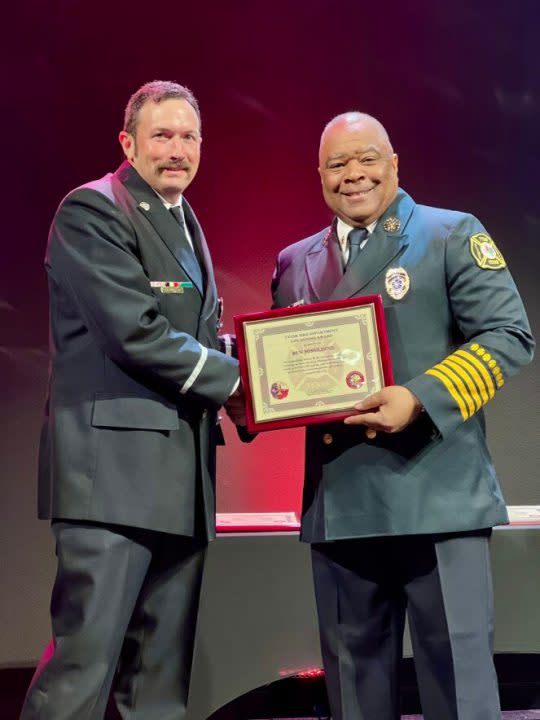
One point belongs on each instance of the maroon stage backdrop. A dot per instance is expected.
(455, 83)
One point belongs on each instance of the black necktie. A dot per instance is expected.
(355, 239)
(176, 210)
(195, 267)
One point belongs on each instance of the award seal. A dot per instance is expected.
(355, 379)
(279, 390)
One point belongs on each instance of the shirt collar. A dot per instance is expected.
(343, 230)
(168, 205)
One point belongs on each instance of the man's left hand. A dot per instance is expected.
(389, 410)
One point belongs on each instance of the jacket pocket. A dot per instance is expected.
(137, 413)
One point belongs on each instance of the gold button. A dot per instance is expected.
(327, 439)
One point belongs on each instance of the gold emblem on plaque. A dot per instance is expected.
(391, 224)
(397, 283)
(485, 252)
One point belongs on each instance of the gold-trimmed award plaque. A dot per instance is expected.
(311, 363)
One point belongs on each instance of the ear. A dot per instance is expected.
(319, 170)
(395, 161)
(128, 144)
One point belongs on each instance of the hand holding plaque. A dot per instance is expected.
(311, 363)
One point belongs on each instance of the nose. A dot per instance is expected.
(354, 171)
(177, 148)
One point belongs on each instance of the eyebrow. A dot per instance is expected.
(370, 148)
(168, 129)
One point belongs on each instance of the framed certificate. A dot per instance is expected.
(311, 363)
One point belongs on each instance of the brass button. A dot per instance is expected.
(327, 439)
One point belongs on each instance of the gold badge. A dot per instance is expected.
(391, 224)
(397, 282)
(485, 252)
(144, 206)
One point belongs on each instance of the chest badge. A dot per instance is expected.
(397, 283)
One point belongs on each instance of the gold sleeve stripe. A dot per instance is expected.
(451, 389)
(475, 374)
(459, 385)
(481, 368)
(451, 363)
(470, 377)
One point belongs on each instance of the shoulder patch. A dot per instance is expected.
(486, 254)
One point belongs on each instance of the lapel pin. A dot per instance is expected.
(391, 224)
(144, 206)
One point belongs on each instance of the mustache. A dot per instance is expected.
(174, 166)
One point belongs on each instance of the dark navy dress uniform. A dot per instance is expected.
(128, 449)
(403, 520)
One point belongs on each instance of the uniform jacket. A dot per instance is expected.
(136, 374)
(455, 337)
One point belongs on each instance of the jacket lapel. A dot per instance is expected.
(324, 266)
(382, 247)
(163, 222)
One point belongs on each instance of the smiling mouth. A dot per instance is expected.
(358, 194)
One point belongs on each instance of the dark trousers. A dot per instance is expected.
(363, 590)
(124, 601)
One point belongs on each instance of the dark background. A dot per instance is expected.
(455, 83)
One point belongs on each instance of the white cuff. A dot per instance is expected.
(196, 370)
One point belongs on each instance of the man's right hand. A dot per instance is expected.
(236, 406)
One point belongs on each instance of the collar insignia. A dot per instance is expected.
(391, 224)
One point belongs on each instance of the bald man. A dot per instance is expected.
(399, 499)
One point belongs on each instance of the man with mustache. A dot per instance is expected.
(127, 457)
(399, 500)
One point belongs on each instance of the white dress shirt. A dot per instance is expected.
(343, 230)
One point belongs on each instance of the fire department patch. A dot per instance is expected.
(485, 252)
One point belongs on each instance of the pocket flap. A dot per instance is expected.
(134, 412)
